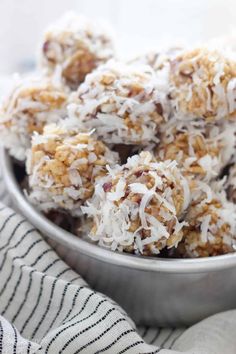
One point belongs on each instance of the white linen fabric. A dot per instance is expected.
(46, 307)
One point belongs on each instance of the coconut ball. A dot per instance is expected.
(138, 207)
(203, 84)
(157, 59)
(74, 46)
(211, 229)
(63, 166)
(32, 103)
(201, 151)
(126, 104)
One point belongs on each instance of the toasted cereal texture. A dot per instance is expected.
(32, 103)
(203, 84)
(201, 152)
(74, 46)
(126, 104)
(212, 225)
(63, 166)
(139, 206)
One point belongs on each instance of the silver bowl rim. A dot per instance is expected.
(172, 265)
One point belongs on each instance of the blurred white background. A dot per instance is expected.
(138, 24)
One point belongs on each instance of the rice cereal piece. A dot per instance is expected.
(124, 103)
(212, 225)
(63, 166)
(75, 46)
(138, 208)
(203, 84)
(32, 103)
(201, 152)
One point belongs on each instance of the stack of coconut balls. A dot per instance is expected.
(141, 154)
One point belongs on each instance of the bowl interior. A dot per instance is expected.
(56, 233)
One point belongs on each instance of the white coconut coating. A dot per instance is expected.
(157, 59)
(138, 207)
(31, 103)
(211, 228)
(201, 151)
(126, 104)
(203, 84)
(63, 167)
(74, 46)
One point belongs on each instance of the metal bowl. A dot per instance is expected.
(154, 291)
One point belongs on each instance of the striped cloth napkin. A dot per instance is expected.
(46, 307)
